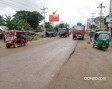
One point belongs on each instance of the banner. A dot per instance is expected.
(53, 18)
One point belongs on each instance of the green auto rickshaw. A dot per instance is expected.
(101, 40)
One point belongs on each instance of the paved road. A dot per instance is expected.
(33, 66)
(88, 68)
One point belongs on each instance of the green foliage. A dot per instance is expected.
(93, 27)
(56, 28)
(39, 29)
(20, 24)
(106, 23)
(61, 25)
(16, 23)
(49, 27)
(32, 18)
(2, 22)
(48, 24)
(8, 22)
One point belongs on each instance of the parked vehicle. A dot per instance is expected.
(14, 38)
(78, 31)
(51, 34)
(63, 32)
(101, 40)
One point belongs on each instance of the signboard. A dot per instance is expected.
(110, 25)
(91, 20)
(53, 18)
(109, 19)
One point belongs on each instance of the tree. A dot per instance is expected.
(106, 23)
(32, 18)
(2, 22)
(20, 24)
(56, 28)
(16, 23)
(93, 27)
(48, 26)
(61, 25)
(8, 22)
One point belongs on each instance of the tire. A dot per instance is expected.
(8, 46)
(60, 36)
(82, 37)
(104, 49)
(24, 44)
(73, 37)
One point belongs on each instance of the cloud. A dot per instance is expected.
(69, 10)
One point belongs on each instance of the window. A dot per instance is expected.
(104, 36)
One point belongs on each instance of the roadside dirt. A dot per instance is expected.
(86, 61)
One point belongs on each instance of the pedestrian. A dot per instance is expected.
(91, 34)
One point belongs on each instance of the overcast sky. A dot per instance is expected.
(70, 11)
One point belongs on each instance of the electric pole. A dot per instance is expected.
(101, 7)
(44, 12)
(110, 12)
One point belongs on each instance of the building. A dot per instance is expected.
(110, 12)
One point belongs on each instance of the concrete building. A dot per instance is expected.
(110, 12)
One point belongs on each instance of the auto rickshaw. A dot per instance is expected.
(14, 38)
(101, 40)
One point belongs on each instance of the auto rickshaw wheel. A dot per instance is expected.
(82, 37)
(93, 46)
(104, 49)
(73, 37)
(8, 46)
(24, 44)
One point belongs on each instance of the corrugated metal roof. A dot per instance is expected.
(3, 28)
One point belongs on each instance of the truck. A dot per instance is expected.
(78, 31)
(63, 32)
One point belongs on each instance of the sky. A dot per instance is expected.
(70, 11)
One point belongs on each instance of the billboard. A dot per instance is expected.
(53, 18)
(109, 19)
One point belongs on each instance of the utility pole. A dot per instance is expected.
(110, 12)
(44, 12)
(92, 15)
(101, 7)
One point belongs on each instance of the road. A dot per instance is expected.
(34, 66)
(85, 62)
